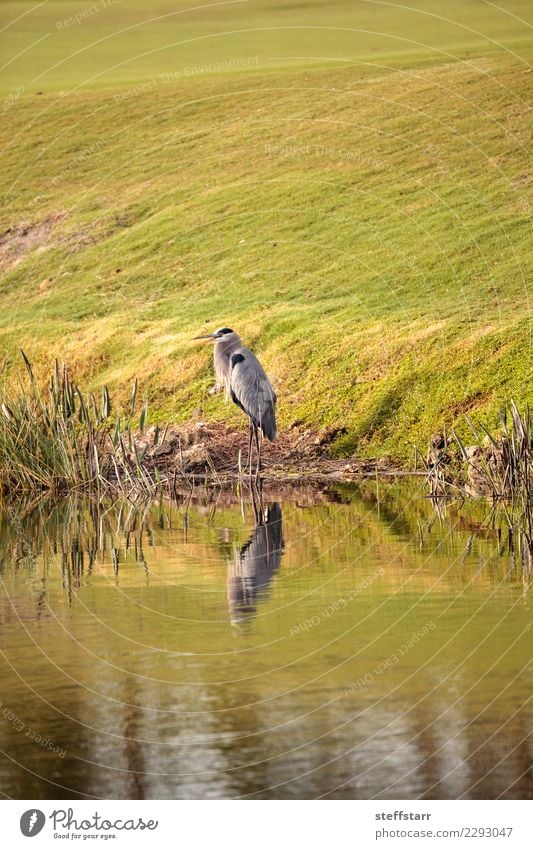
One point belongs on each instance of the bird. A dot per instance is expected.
(241, 375)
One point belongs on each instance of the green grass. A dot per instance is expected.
(119, 42)
(361, 220)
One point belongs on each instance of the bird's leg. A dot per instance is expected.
(253, 435)
(250, 437)
(258, 447)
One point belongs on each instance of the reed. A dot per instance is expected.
(58, 439)
(501, 464)
(498, 466)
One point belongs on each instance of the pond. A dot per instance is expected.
(353, 642)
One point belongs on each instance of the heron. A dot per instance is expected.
(241, 375)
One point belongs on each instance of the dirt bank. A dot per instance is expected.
(211, 452)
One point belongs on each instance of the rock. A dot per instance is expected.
(162, 450)
(194, 435)
(437, 455)
(486, 466)
(437, 441)
(195, 458)
(328, 435)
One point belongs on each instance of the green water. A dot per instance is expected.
(349, 644)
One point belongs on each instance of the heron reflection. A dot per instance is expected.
(255, 564)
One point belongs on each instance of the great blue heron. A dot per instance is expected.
(242, 376)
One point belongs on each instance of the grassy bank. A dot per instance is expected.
(362, 221)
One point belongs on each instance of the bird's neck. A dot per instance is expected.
(224, 348)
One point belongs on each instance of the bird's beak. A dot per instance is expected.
(210, 336)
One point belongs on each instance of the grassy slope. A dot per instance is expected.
(363, 224)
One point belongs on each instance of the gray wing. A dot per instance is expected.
(252, 392)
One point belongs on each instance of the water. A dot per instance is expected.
(349, 644)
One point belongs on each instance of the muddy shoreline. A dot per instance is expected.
(212, 453)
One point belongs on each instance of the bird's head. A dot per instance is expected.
(222, 334)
